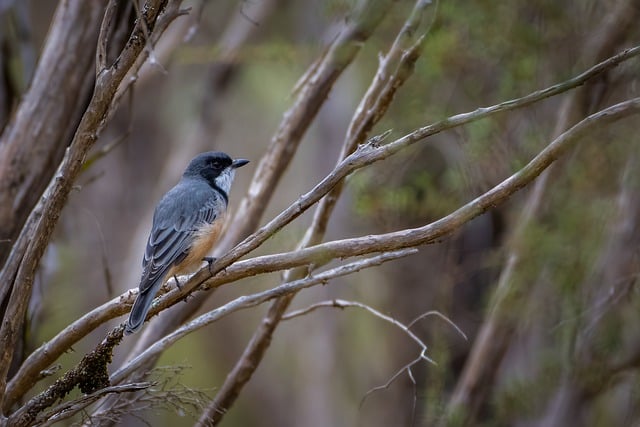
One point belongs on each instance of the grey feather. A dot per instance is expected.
(178, 216)
(199, 198)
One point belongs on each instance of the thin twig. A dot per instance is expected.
(67, 409)
(395, 376)
(148, 45)
(441, 316)
(103, 39)
(338, 303)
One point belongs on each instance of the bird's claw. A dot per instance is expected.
(210, 260)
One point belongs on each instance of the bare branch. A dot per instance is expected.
(89, 375)
(298, 118)
(395, 376)
(417, 236)
(103, 38)
(29, 153)
(358, 160)
(47, 353)
(242, 303)
(25, 256)
(339, 303)
(342, 304)
(245, 302)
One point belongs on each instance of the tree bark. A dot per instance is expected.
(32, 144)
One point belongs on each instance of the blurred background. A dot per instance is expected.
(562, 345)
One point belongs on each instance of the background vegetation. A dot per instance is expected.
(543, 284)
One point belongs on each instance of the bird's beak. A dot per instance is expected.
(239, 163)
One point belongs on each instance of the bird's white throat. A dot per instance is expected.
(225, 179)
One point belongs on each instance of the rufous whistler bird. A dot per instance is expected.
(187, 222)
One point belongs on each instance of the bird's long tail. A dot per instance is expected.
(141, 307)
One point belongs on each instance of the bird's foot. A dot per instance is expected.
(210, 260)
(177, 282)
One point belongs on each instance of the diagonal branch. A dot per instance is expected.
(67, 409)
(90, 375)
(430, 233)
(434, 231)
(298, 118)
(25, 256)
(47, 353)
(355, 161)
(249, 301)
(43, 123)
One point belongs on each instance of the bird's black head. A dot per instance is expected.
(211, 163)
(216, 168)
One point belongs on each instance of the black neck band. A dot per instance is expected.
(221, 192)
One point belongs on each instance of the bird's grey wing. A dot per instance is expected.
(171, 237)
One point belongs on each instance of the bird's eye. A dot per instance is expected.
(216, 164)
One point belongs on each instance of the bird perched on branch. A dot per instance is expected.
(187, 222)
